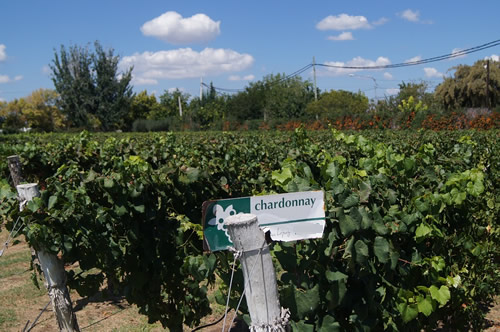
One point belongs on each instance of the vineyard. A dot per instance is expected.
(412, 237)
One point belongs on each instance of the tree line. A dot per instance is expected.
(90, 92)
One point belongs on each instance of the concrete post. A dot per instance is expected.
(261, 290)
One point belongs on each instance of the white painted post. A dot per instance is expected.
(53, 271)
(261, 290)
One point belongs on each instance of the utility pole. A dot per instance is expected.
(180, 106)
(314, 74)
(201, 88)
(488, 103)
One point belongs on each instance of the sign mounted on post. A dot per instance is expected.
(289, 217)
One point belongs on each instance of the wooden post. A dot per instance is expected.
(261, 290)
(15, 169)
(54, 273)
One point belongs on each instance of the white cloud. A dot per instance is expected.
(493, 57)
(432, 72)
(413, 16)
(414, 59)
(3, 54)
(393, 91)
(2, 100)
(410, 15)
(388, 76)
(342, 36)
(143, 81)
(456, 53)
(239, 78)
(184, 63)
(343, 22)
(355, 62)
(173, 28)
(7, 79)
(380, 21)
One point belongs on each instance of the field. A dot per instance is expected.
(412, 236)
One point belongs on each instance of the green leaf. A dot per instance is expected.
(422, 232)
(381, 249)
(365, 190)
(361, 250)
(307, 301)
(120, 210)
(108, 183)
(424, 305)
(332, 170)
(347, 225)
(338, 288)
(192, 174)
(33, 205)
(442, 295)
(422, 206)
(379, 227)
(139, 208)
(351, 200)
(283, 176)
(68, 245)
(329, 325)
(52, 201)
(408, 312)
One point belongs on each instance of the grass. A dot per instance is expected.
(7, 316)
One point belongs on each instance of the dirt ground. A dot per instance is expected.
(21, 302)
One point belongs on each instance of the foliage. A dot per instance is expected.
(337, 103)
(467, 86)
(112, 90)
(91, 87)
(411, 106)
(412, 234)
(169, 105)
(141, 106)
(37, 111)
(395, 255)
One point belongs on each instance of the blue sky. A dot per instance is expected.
(171, 44)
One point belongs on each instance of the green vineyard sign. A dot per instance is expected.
(288, 217)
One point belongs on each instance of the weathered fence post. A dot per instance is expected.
(53, 271)
(16, 174)
(15, 169)
(261, 291)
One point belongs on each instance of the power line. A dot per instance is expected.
(419, 62)
(396, 65)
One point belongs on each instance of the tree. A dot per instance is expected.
(41, 110)
(72, 77)
(169, 104)
(415, 90)
(276, 96)
(249, 104)
(338, 103)
(467, 86)
(211, 110)
(141, 106)
(12, 114)
(287, 97)
(37, 111)
(90, 86)
(112, 90)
